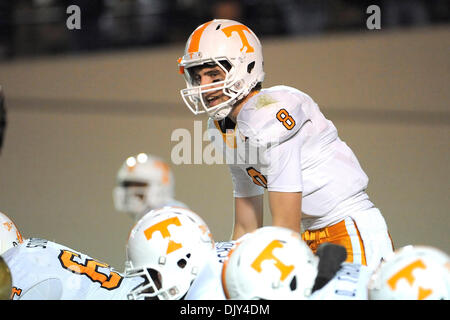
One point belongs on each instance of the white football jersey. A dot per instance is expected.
(349, 283)
(208, 285)
(45, 270)
(283, 142)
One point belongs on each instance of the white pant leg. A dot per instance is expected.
(374, 233)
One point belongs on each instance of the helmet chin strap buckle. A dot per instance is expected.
(238, 85)
(221, 113)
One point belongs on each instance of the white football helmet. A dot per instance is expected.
(9, 234)
(211, 43)
(144, 182)
(272, 263)
(412, 273)
(168, 247)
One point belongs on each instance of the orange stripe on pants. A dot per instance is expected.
(338, 234)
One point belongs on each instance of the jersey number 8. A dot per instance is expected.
(284, 117)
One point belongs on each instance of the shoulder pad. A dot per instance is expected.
(272, 116)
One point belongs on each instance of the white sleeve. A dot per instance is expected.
(284, 170)
(242, 185)
(48, 289)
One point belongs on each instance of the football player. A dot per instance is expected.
(278, 139)
(45, 270)
(168, 247)
(144, 182)
(274, 263)
(412, 273)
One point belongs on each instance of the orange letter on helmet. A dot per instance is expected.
(267, 254)
(407, 273)
(163, 228)
(240, 31)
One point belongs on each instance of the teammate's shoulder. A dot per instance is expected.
(273, 115)
(31, 247)
(30, 243)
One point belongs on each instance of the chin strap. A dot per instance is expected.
(331, 256)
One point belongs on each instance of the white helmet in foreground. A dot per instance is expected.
(230, 45)
(144, 182)
(168, 247)
(9, 234)
(412, 273)
(272, 263)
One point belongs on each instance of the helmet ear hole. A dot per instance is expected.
(250, 66)
(293, 284)
(169, 268)
(182, 263)
(225, 64)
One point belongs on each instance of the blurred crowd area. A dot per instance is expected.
(38, 27)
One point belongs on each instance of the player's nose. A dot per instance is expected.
(205, 80)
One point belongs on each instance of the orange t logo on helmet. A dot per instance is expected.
(163, 228)
(267, 254)
(195, 39)
(239, 28)
(407, 273)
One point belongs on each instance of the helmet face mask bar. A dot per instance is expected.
(193, 95)
(146, 290)
(152, 288)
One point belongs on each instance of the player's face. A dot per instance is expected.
(210, 75)
(136, 184)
